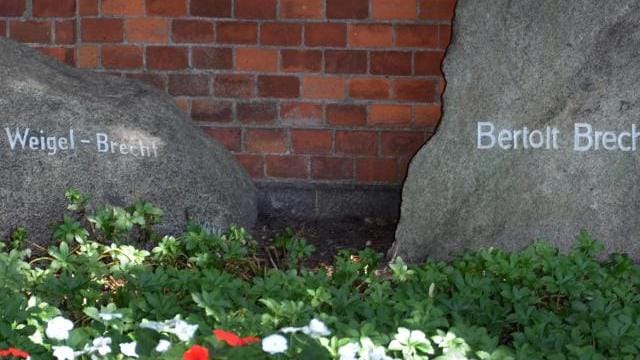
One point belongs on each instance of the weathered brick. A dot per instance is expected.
(189, 85)
(64, 55)
(356, 143)
(369, 88)
(267, 141)
(394, 9)
(208, 110)
(210, 8)
(352, 9)
(236, 32)
(429, 63)
(102, 30)
(3, 28)
(414, 90)
(278, 86)
(437, 9)
(123, 7)
(254, 164)
(287, 167)
(317, 87)
(147, 30)
(375, 170)
(192, 31)
(445, 36)
(257, 113)
(345, 61)
(325, 34)
(282, 34)
(212, 58)
(390, 63)
(301, 60)
(301, 9)
(424, 36)
(49, 8)
(31, 31)
(256, 59)
(183, 104)
(428, 115)
(121, 57)
(346, 115)
(174, 8)
(230, 138)
(404, 143)
(88, 57)
(234, 86)
(255, 9)
(12, 8)
(370, 35)
(65, 32)
(167, 58)
(154, 79)
(311, 141)
(301, 114)
(331, 168)
(88, 7)
(389, 115)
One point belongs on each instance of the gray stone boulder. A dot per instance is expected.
(117, 140)
(554, 66)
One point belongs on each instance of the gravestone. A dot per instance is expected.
(540, 134)
(115, 139)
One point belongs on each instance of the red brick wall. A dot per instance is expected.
(312, 90)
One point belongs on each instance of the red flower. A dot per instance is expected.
(13, 352)
(197, 353)
(234, 340)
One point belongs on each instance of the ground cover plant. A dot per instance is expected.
(109, 287)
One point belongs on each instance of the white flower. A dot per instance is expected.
(183, 330)
(369, 351)
(163, 345)
(153, 325)
(63, 353)
(58, 328)
(102, 345)
(274, 344)
(129, 349)
(349, 351)
(289, 330)
(317, 328)
(108, 316)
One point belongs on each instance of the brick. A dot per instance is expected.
(282, 34)
(147, 30)
(356, 143)
(352, 9)
(278, 86)
(63, 55)
(234, 86)
(346, 115)
(173, 8)
(123, 7)
(404, 143)
(325, 34)
(428, 115)
(31, 31)
(256, 59)
(394, 9)
(415, 90)
(268, 141)
(167, 58)
(316, 142)
(183, 104)
(428, 63)
(424, 36)
(189, 85)
(65, 32)
(445, 36)
(301, 9)
(301, 60)
(210, 8)
(255, 9)
(102, 30)
(208, 110)
(389, 115)
(121, 57)
(376, 170)
(331, 168)
(237, 33)
(437, 9)
(301, 114)
(287, 167)
(3, 28)
(230, 138)
(88, 7)
(12, 8)
(345, 61)
(317, 87)
(192, 31)
(254, 164)
(390, 63)
(212, 58)
(50, 8)
(88, 57)
(155, 80)
(257, 113)
(369, 88)
(370, 36)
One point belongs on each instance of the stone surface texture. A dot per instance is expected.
(536, 64)
(192, 177)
